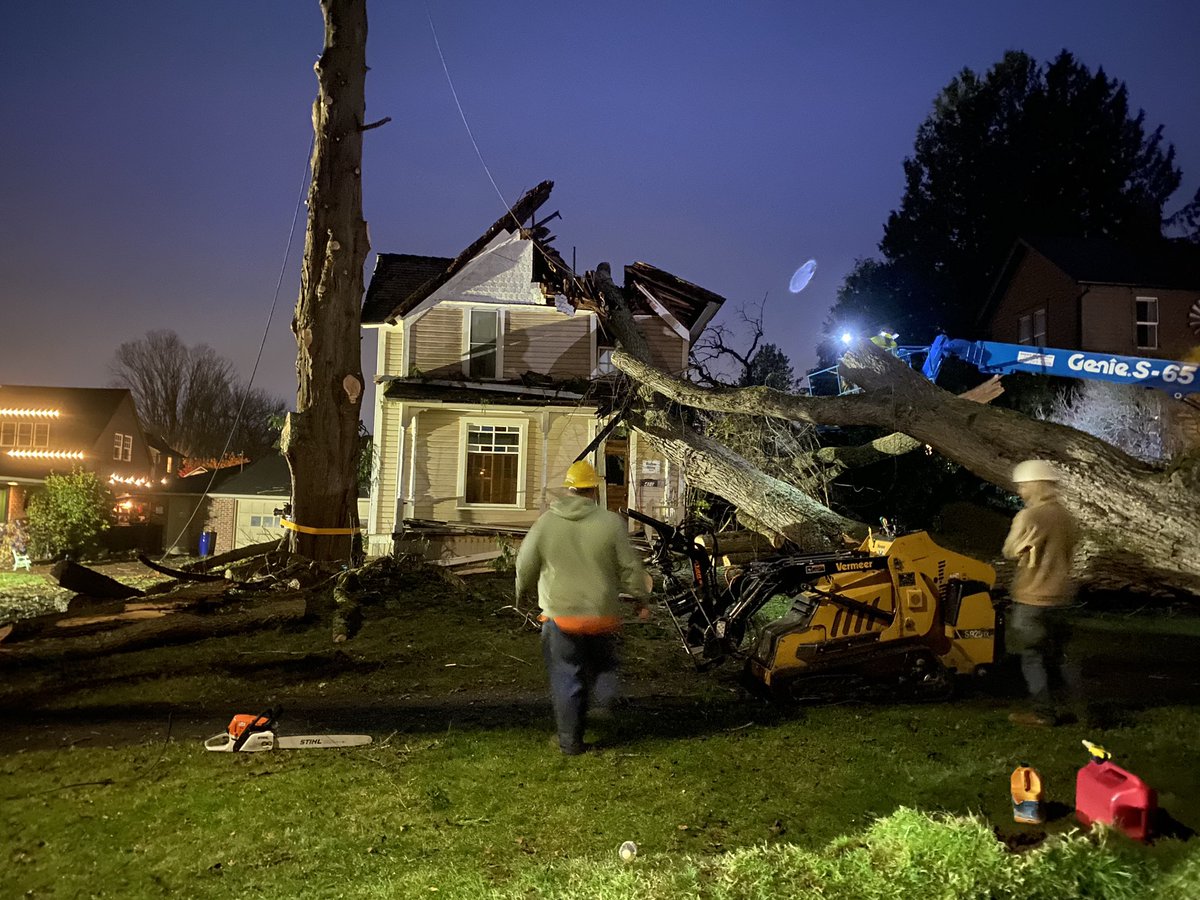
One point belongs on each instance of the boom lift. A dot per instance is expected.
(1176, 378)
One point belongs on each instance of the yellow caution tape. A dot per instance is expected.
(308, 529)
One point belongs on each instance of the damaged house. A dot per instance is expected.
(494, 377)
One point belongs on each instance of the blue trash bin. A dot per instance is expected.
(208, 542)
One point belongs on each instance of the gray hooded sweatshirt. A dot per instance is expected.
(579, 558)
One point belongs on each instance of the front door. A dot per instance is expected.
(616, 473)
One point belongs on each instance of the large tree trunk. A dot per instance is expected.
(776, 506)
(1139, 522)
(320, 439)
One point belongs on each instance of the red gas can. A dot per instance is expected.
(1104, 792)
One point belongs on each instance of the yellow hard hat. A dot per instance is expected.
(581, 474)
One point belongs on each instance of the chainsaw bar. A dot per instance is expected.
(259, 741)
(254, 734)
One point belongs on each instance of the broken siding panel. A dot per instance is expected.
(545, 341)
(437, 343)
(667, 349)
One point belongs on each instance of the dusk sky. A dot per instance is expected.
(153, 152)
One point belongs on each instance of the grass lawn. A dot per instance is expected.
(106, 791)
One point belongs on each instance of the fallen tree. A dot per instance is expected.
(1138, 520)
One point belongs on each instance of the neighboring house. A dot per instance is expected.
(245, 508)
(1099, 296)
(46, 430)
(491, 367)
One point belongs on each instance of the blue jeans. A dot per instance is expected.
(583, 676)
(1039, 635)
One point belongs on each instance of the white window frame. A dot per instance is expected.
(122, 447)
(468, 312)
(604, 363)
(1149, 323)
(464, 425)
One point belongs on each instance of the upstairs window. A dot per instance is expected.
(483, 334)
(1146, 311)
(1031, 328)
(493, 464)
(123, 447)
(604, 363)
(25, 435)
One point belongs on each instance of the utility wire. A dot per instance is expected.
(261, 345)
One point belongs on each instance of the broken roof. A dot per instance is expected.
(401, 281)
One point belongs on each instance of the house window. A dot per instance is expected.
(123, 446)
(25, 435)
(1146, 310)
(604, 363)
(264, 521)
(1031, 328)
(483, 332)
(493, 463)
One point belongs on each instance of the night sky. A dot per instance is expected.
(153, 152)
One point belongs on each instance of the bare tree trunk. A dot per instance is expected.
(1139, 521)
(320, 439)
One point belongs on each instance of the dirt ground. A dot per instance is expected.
(188, 693)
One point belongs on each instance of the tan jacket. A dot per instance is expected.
(1042, 541)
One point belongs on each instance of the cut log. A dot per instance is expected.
(735, 542)
(176, 628)
(89, 582)
(94, 612)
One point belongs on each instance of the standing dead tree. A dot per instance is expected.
(320, 439)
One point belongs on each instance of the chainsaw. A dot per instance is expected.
(253, 734)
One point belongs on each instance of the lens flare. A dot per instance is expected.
(802, 276)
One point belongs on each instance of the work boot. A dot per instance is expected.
(570, 749)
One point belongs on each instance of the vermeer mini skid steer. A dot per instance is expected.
(899, 615)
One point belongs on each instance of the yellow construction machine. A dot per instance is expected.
(898, 615)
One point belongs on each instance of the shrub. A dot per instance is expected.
(68, 514)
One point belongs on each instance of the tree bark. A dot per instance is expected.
(1139, 522)
(778, 507)
(320, 439)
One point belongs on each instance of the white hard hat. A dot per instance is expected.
(1034, 470)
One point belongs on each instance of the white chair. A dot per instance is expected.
(21, 560)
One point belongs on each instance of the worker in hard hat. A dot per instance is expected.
(577, 560)
(886, 338)
(1042, 541)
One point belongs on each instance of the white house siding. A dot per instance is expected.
(667, 349)
(437, 343)
(545, 341)
(387, 446)
(391, 361)
(439, 456)
(569, 434)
